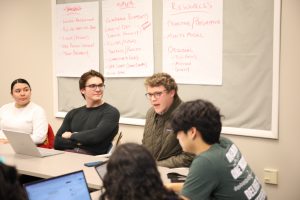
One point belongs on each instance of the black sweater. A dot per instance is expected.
(93, 129)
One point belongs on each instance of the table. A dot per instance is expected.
(67, 162)
(52, 166)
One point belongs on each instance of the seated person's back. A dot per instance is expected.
(132, 174)
(219, 171)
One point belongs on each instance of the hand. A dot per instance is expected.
(66, 135)
(3, 141)
(176, 187)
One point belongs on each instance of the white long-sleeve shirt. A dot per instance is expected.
(30, 119)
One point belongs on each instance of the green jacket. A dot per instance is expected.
(161, 142)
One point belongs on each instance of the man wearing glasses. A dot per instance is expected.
(158, 139)
(91, 128)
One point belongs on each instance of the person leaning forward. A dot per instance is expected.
(91, 128)
(163, 145)
(219, 171)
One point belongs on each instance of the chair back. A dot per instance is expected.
(49, 142)
(116, 141)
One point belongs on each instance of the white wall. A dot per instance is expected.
(25, 51)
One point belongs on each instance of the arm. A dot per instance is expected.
(108, 121)
(176, 187)
(39, 125)
(61, 143)
(182, 160)
(171, 154)
(148, 127)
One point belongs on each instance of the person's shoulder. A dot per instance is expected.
(176, 103)
(8, 105)
(34, 105)
(107, 105)
(204, 160)
(75, 110)
(110, 107)
(225, 142)
(150, 112)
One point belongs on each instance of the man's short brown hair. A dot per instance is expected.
(162, 79)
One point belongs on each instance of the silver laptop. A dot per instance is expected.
(72, 186)
(22, 143)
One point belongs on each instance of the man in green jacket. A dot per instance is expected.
(163, 145)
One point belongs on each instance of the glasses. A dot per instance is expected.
(94, 86)
(156, 95)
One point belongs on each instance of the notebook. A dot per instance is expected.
(101, 169)
(22, 143)
(68, 186)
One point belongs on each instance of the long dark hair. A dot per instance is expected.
(10, 187)
(132, 175)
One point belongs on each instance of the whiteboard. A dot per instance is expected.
(248, 96)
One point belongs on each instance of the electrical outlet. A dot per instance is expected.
(271, 176)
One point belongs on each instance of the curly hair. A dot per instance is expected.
(162, 79)
(202, 115)
(132, 175)
(10, 187)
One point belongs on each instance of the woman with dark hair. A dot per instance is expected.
(22, 115)
(132, 174)
(10, 187)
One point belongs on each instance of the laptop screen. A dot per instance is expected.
(68, 186)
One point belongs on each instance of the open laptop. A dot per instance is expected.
(68, 186)
(22, 143)
(101, 169)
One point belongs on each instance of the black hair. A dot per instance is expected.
(132, 174)
(202, 115)
(10, 187)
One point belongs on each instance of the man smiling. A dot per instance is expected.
(91, 128)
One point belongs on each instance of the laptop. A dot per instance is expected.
(22, 143)
(101, 169)
(68, 186)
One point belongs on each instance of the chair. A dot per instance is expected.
(49, 142)
(116, 141)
